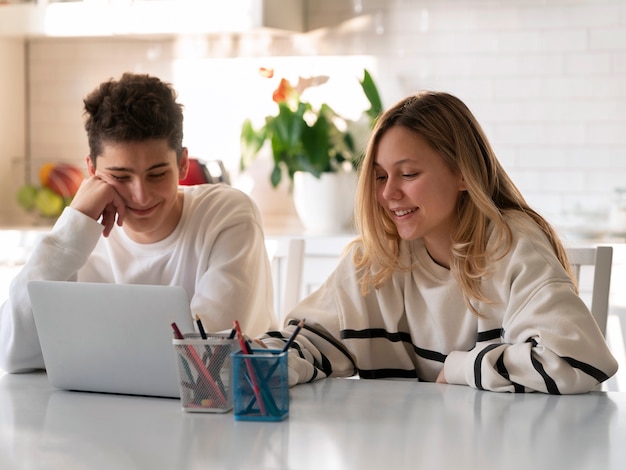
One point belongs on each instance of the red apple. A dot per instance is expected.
(62, 178)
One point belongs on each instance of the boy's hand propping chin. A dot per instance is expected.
(99, 200)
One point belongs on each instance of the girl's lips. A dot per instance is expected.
(403, 212)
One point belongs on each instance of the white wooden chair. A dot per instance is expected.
(592, 267)
(287, 262)
(600, 261)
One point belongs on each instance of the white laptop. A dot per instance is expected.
(110, 338)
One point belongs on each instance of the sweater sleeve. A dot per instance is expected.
(237, 282)
(58, 257)
(234, 279)
(318, 352)
(548, 341)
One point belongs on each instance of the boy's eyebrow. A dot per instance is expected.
(129, 170)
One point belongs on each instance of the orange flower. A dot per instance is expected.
(283, 92)
(304, 137)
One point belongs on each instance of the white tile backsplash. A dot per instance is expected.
(607, 38)
(545, 78)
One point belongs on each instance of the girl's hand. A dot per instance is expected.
(441, 378)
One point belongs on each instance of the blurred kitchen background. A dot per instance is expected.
(546, 78)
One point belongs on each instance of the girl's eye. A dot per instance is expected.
(409, 175)
(381, 178)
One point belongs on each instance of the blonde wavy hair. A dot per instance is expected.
(451, 129)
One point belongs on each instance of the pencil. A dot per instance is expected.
(293, 336)
(200, 327)
(243, 344)
(177, 333)
(252, 376)
(286, 347)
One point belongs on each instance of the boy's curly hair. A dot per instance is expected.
(134, 108)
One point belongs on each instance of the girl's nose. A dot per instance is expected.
(391, 190)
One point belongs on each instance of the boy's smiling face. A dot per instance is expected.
(146, 176)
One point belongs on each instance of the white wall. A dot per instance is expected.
(547, 79)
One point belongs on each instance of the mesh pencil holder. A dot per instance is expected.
(261, 385)
(205, 377)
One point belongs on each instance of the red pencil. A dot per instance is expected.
(245, 349)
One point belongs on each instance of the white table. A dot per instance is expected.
(333, 424)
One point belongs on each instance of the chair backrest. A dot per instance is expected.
(287, 261)
(600, 260)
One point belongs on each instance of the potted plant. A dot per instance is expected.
(310, 142)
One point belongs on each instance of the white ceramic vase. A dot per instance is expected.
(325, 204)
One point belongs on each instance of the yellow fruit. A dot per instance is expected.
(49, 203)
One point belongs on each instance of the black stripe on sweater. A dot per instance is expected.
(478, 375)
(551, 386)
(501, 368)
(388, 374)
(489, 335)
(429, 354)
(294, 345)
(587, 369)
(376, 333)
(394, 338)
(325, 365)
(503, 371)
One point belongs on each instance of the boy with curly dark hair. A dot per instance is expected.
(131, 223)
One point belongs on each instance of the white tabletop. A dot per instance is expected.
(333, 424)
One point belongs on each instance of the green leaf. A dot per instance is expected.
(251, 143)
(316, 144)
(371, 92)
(316, 141)
(276, 176)
(287, 126)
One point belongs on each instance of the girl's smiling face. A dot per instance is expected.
(417, 189)
(146, 176)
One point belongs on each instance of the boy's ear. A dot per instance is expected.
(90, 168)
(183, 165)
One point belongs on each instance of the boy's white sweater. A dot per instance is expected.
(217, 253)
